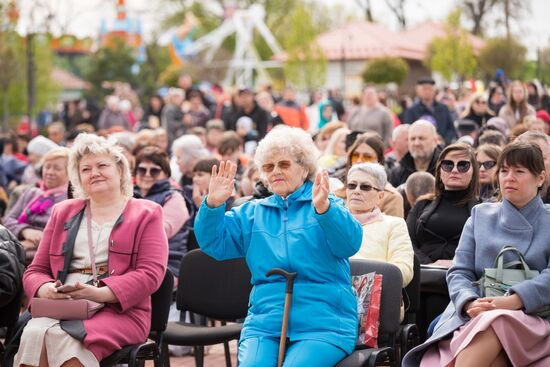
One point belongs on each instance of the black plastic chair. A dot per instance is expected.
(408, 334)
(434, 297)
(390, 305)
(217, 290)
(133, 355)
(9, 315)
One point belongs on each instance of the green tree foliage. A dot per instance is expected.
(111, 64)
(306, 64)
(505, 53)
(386, 70)
(543, 70)
(452, 54)
(13, 81)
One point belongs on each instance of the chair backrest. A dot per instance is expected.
(160, 303)
(411, 293)
(390, 299)
(216, 289)
(192, 243)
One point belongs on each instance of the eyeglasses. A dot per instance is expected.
(283, 165)
(462, 166)
(153, 171)
(487, 164)
(481, 102)
(363, 157)
(362, 187)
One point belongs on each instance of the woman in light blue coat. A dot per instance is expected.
(300, 228)
(497, 331)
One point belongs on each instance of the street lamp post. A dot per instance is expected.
(30, 80)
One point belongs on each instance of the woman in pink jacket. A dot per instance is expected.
(131, 252)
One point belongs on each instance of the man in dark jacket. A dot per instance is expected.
(428, 106)
(250, 108)
(423, 153)
(12, 266)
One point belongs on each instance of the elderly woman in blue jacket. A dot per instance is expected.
(300, 228)
(498, 331)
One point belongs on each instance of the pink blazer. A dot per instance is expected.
(138, 256)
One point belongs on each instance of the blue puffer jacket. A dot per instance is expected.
(289, 234)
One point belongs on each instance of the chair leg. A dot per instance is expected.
(227, 354)
(199, 355)
(165, 355)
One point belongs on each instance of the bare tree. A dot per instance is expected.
(397, 7)
(513, 10)
(365, 5)
(476, 10)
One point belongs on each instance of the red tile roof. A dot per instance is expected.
(68, 80)
(362, 40)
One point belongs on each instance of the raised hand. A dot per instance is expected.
(320, 192)
(221, 184)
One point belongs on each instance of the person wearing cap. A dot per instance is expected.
(428, 106)
(249, 107)
(37, 148)
(248, 134)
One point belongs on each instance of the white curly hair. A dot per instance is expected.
(291, 141)
(85, 144)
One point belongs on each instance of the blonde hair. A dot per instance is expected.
(58, 152)
(292, 141)
(86, 144)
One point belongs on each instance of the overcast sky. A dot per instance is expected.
(83, 18)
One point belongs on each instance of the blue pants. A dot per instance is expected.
(263, 352)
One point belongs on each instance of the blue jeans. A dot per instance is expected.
(263, 352)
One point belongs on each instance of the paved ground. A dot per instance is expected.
(214, 358)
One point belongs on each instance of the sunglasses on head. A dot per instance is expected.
(153, 171)
(462, 166)
(283, 165)
(362, 187)
(363, 157)
(487, 164)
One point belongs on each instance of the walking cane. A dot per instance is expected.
(288, 298)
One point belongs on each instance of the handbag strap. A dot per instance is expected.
(90, 243)
(500, 266)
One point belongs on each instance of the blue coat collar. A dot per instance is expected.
(523, 218)
(303, 193)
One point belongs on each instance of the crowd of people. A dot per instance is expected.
(450, 179)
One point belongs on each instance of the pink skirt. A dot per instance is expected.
(524, 338)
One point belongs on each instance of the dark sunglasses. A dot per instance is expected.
(487, 164)
(153, 171)
(481, 102)
(462, 166)
(362, 187)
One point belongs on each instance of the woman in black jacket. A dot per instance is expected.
(435, 222)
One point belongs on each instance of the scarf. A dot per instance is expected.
(42, 203)
(365, 218)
